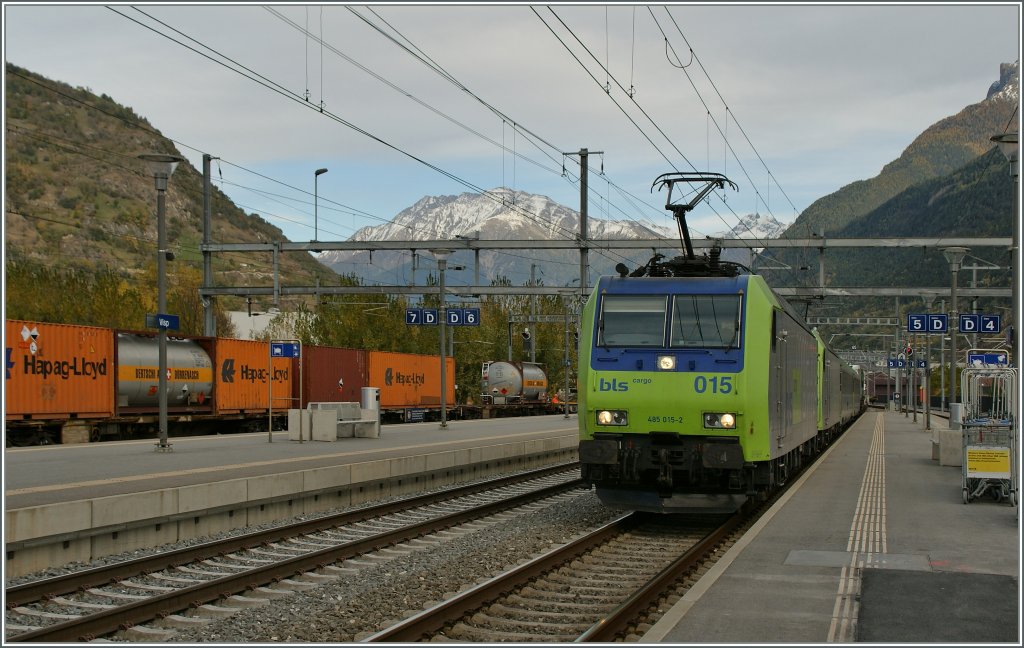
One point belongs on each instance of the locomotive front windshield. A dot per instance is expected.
(633, 321)
(685, 321)
(705, 321)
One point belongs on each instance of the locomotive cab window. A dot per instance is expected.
(706, 321)
(632, 320)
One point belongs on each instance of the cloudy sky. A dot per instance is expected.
(398, 102)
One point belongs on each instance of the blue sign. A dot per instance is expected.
(453, 316)
(990, 324)
(922, 364)
(969, 323)
(285, 350)
(927, 323)
(895, 363)
(163, 322)
(980, 359)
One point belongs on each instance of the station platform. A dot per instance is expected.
(874, 544)
(76, 503)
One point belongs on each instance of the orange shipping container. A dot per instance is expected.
(57, 371)
(410, 380)
(242, 369)
(330, 375)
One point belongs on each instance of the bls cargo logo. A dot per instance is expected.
(392, 377)
(227, 373)
(612, 385)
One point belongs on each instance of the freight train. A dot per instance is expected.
(700, 387)
(517, 388)
(73, 384)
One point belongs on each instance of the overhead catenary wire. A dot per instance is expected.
(537, 141)
(644, 112)
(617, 104)
(277, 88)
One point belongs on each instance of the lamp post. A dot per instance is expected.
(316, 203)
(441, 256)
(161, 166)
(1009, 145)
(954, 255)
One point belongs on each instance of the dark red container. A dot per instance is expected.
(322, 369)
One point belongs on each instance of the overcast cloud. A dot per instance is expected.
(826, 94)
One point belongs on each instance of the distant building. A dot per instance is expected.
(251, 327)
(881, 386)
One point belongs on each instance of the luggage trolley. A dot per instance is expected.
(989, 443)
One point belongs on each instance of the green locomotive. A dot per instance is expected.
(700, 387)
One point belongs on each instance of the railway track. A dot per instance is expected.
(593, 589)
(179, 588)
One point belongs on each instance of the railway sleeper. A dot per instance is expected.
(537, 629)
(562, 600)
(147, 633)
(548, 617)
(464, 632)
(567, 593)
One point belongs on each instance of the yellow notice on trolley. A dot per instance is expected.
(988, 462)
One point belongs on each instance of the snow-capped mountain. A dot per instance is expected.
(504, 214)
(499, 214)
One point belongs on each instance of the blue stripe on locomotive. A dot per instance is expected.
(687, 360)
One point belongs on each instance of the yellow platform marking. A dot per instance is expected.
(867, 538)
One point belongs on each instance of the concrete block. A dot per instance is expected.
(324, 425)
(267, 486)
(439, 460)
(340, 498)
(299, 422)
(123, 509)
(32, 559)
(951, 450)
(210, 524)
(345, 429)
(403, 466)
(153, 535)
(370, 471)
(46, 520)
(200, 497)
(273, 511)
(346, 410)
(366, 429)
(321, 478)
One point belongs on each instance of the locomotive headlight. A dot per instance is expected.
(612, 417)
(720, 421)
(666, 363)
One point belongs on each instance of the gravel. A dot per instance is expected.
(371, 599)
(356, 606)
